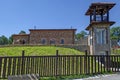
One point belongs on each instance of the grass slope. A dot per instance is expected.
(115, 51)
(37, 50)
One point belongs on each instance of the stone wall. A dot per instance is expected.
(77, 47)
(82, 41)
(46, 37)
(21, 39)
(60, 36)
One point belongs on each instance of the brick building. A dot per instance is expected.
(46, 37)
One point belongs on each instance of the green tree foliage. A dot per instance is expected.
(10, 39)
(115, 33)
(81, 34)
(22, 32)
(3, 40)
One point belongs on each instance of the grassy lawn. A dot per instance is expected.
(51, 50)
(115, 51)
(37, 50)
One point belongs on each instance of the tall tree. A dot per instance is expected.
(115, 33)
(3, 40)
(10, 39)
(81, 34)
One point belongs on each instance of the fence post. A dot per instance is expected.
(107, 61)
(23, 53)
(22, 68)
(113, 51)
(57, 63)
(85, 62)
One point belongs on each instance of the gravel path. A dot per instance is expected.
(103, 77)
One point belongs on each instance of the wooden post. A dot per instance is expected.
(90, 18)
(22, 68)
(94, 13)
(85, 62)
(107, 61)
(86, 52)
(57, 52)
(23, 53)
(57, 63)
(107, 13)
(101, 15)
(113, 51)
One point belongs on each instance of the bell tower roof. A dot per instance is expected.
(104, 6)
(99, 14)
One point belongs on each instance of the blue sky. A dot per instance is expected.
(17, 15)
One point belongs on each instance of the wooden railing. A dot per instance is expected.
(58, 65)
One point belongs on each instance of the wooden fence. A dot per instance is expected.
(58, 65)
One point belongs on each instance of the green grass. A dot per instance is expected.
(71, 77)
(37, 51)
(115, 51)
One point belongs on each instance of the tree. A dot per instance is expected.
(115, 33)
(22, 32)
(3, 40)
(82, 34)
(10, 39)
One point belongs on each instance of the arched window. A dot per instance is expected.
(22, 41)
(52, 41)
(62, 41)
(43, 41)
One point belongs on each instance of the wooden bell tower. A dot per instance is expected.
(99, 28)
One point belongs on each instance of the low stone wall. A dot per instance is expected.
(76, 46)
(82, 41)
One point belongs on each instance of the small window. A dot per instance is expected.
(52, 41)
(62, 41)
(43, 41)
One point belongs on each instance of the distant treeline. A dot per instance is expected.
(4, 40)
